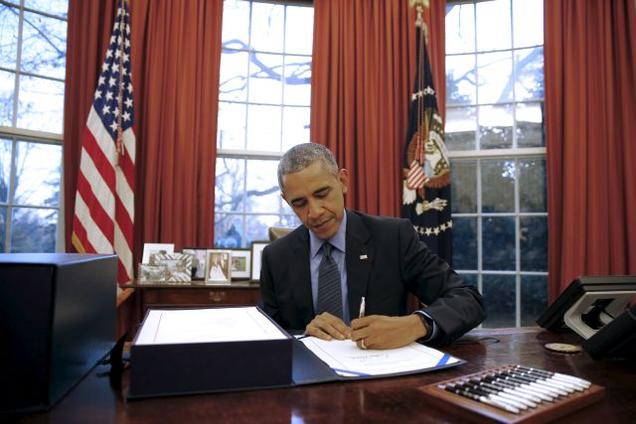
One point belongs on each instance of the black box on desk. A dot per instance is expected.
(187, 368)
(57, 320)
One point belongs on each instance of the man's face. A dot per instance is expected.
(317, 197)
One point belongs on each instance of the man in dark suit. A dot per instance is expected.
(377, 259)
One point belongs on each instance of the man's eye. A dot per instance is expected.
(298, 203)
(322, 193)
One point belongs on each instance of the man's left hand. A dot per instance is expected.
(383, 332)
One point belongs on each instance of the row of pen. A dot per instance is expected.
(517, 389)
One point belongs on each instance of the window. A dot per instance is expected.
(494, 133)
(264, 103)
(32, 69)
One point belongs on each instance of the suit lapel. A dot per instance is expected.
(359, 260)
(300, 274)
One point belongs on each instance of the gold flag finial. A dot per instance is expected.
(419, 6)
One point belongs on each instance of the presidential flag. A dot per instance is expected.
(105, 197)
(426, 168)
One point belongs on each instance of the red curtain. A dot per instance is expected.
(363, 68)
(590, 92)
(176, 50)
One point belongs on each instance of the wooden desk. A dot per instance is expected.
(165, 295)
(393, 400)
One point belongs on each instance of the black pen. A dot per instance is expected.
(479, 398)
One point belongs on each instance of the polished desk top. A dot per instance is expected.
(384, 400)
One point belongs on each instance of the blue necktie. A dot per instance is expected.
(329, 290)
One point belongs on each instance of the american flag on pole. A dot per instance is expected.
(426, 169)
(105, 197)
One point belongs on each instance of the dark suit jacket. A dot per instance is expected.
(396, 263)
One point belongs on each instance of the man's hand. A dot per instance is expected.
(326, 326)
(382, 332)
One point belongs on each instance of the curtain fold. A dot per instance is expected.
(590, 92)
(176, 51)
(363, 68)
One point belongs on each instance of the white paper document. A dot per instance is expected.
(207, 325)
(348, 360)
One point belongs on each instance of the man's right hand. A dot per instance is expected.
(327, 327)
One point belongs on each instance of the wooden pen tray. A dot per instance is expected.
(479, 412)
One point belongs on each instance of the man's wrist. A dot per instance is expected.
(425, 325)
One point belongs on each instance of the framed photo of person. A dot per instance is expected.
(257, 251)
(151, 248)
(219, 267)
(199, 261)
(241, 264)
(152, 273)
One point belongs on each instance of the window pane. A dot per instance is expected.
(464, 243)
(469, 278)
(497, 185)
(299, 25)
(527, 22)
(461, 124)
(43, 45)
(495, 127)
(460, 28)
(7, 90)
(532, 187)
(5, 169)
(529, 129)
(534, 243)
(235, 30)
(267, 27)
(263, 128)
(263, 194)
(493, 25)
(495, 77)
(464, 186)
(499, 299)
(228, 231)
(54, 7)
(233, 84)
(265, 85)
(498, 239)
(529, 68)
(9, 17)
(40, 104)
(231, 126)
(3, 226)
(257, 226)
(229, 183)
(295, 126)
(534, 298)
(460, 79)
(37, 175)
(33, 230)
(298, 80)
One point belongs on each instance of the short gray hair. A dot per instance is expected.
(301, 156)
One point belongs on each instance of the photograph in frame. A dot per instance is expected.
(179, 265)
(151, 248)
(152, 273)
(257, 251)
(241, 264)
(219, 267)
(199, 261)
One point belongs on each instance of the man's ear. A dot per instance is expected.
(343, 176)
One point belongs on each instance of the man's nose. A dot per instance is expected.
(314, 210)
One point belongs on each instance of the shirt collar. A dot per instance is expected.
(338, 240)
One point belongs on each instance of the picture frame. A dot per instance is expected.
(152, 273)
(178, 265)
(199, 261)
(219, 267)
(257, 250)
(151, 248)
(241, 264)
